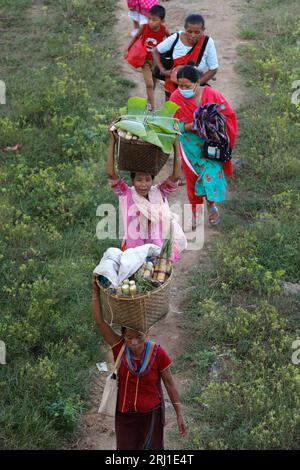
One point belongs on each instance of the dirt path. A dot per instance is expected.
(222, 24)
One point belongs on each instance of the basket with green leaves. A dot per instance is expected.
(145, 139)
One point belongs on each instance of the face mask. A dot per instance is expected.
(188, 93)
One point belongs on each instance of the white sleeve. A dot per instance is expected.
(210, 58)
(166, 45)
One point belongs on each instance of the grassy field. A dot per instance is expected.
(58, 63)
(246, 388)
(57, 60)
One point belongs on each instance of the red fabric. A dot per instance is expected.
(140, 431)
(140, 394)
(132, 4)
(170, 86)
(188, 106)
(152, 38)
(137, 53)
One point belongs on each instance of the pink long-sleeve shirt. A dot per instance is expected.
(130, 213)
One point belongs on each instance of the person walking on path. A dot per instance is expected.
(147, 217)
(188, 45)
(205, 178)
(140, 414)
(152, 34)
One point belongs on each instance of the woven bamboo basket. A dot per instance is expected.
(139, 312)
(137, 155)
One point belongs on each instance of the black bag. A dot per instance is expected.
(166, 59)
(211, 126)
(218, 151)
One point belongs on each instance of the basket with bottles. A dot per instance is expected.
(141, 300)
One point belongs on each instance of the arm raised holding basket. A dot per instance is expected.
(109, 335)
(110, 163)
(139, 419)
(144, 206)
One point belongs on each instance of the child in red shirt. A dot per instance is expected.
(153, 33)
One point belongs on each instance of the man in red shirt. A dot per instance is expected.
(139, 418)
(152, 33)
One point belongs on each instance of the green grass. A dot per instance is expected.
(246, 389)
(248, 33)
(58, 63)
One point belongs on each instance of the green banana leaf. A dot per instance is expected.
(153, 138)
(158, 128)
(135, 118)
(167, 142)
(161, 124)
(164, 141)
(134, 127)
(136, 105)
(168, 125)
(168, 110)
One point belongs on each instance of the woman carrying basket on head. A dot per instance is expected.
(145, 209)
(189, 45)
(205, 178)
(139, 420)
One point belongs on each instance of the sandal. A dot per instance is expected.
(212, 210)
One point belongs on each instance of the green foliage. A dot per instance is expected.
(158, 128)
(58, 108)
(251, 402)
(247, 395)
(239, 266)
(248, 33)
(65, 413)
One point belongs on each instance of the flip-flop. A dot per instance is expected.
(214, 210)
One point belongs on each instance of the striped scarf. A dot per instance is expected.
(147, 362)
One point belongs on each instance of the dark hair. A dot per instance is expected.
(123, 330)
(133, 174)
(194, 19)
(190, 72)
(159, 11)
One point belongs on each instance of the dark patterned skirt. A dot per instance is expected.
(140, 431)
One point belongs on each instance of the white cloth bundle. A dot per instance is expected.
(117, 265)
